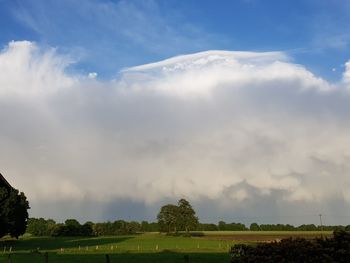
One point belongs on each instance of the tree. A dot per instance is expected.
(14, 214)
(168, 218)
(40, 226)
(187, 219)
(72, 227)
(144, 226)
(207, 227)
(86, 229)
(254, 227)
(180, 217)
(222, 226)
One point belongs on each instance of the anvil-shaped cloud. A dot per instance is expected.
(237, 133)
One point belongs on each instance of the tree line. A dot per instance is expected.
(71, 227)
(171, 219)
(223, 226)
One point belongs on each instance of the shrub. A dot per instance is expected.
(336, 249)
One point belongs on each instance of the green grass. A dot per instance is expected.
(168, 257)
(150, 247)
(116, 244)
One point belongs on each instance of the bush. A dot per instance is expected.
(196, 234)
(336, 249)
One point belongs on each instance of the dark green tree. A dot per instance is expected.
(187, 219)
(222, 226)
(144, 226)
(254, 227)
(14, 214)
(86, 229)
(40, 226)
(168, 218)
(72, 227)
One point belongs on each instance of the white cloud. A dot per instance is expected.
(26, 70)
(199, 74)
(346, 75)
(231, 127)
(92, 75)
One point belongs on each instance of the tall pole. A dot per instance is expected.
(320, 215)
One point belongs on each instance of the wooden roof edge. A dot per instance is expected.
(4, 181)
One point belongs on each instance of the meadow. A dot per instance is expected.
(148, 247)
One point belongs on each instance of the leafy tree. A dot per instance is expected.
(58, 230)
(236, 227)
(14, 214)
(310, 227)
(86, 229)
(254, 227)
(180, 217)
(222, 226)
(187, 219)
(168, 218)
(149, 226)
(40, 226)
(144, 226)
(72, 227)
(133, 227)
(207, 227)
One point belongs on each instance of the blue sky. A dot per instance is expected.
(106, 36)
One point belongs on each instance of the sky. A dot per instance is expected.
(110, 109)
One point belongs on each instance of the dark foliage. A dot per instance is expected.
(180, 217)
(336, 249)
(14, 214)
(222, 226)
(71, 227)
(207, 227)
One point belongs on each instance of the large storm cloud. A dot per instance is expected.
(240, 134)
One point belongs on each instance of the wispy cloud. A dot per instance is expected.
(110, 35)
(326, 25)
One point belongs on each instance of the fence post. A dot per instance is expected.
(107, 258)
(46, 257)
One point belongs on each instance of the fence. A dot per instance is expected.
(45, 257)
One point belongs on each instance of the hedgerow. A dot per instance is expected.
(335, 249)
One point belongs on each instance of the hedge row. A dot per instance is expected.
(335, 249)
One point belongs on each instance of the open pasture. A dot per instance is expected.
(149, 247)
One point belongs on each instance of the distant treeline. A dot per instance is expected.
(71, 227)
(222, 226)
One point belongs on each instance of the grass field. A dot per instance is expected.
(150, 247)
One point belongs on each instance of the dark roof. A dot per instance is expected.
(4, 183)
